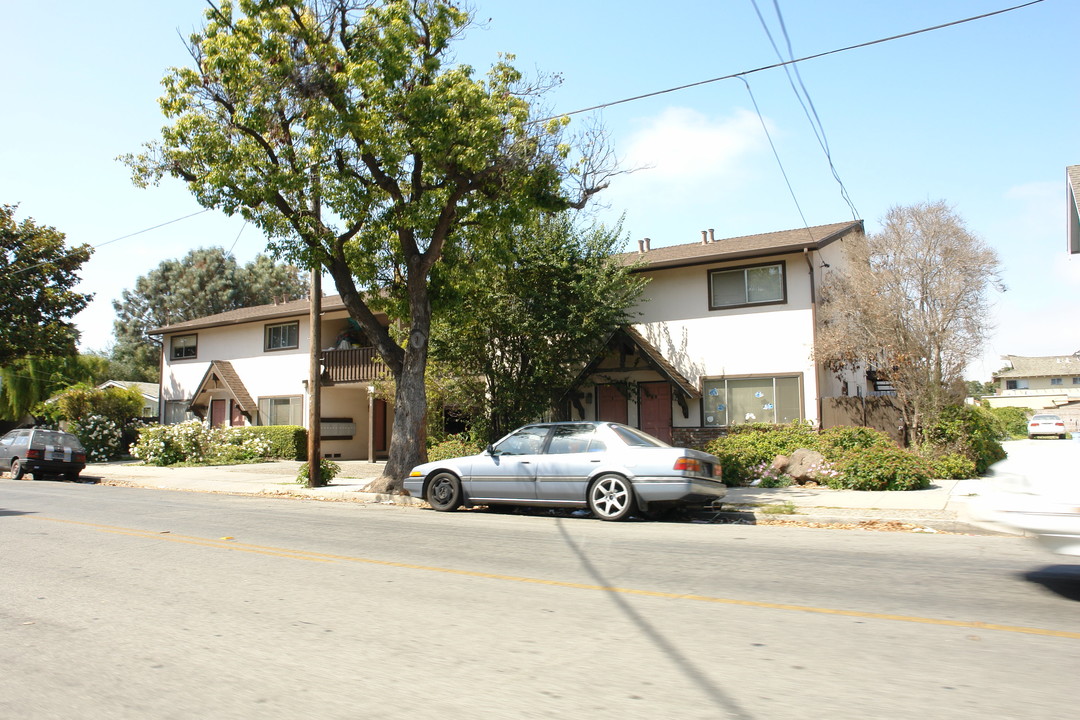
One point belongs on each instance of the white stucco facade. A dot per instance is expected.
(263, 376)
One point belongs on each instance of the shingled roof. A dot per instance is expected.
(1046, 366)
(293, 308)
(738, 248)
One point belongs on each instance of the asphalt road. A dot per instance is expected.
(132, 603)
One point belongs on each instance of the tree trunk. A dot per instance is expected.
(408, 446)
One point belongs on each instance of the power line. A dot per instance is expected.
(787, 62)
(811, 114)
(110, 242)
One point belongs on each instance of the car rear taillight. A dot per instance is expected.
(34, 454)
(79, 457)
(1060, 424)
(688, 465)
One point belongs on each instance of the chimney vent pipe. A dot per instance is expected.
(641, 246)
(712, 237)
(647, 241)
(704, 237)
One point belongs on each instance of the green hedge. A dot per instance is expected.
(453, 446)
(882, 468)
(288, 442)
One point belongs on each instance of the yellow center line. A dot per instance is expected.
(330, 558)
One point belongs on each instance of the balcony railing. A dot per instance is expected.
(355, 365)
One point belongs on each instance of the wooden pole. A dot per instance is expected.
(315, 352)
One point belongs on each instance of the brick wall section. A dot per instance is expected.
(695, 437)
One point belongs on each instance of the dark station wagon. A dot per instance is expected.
(41, 452)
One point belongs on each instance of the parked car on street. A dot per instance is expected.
(1046, 424)
(41, 452)
(611, 469)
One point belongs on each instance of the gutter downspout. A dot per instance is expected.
(814, 321)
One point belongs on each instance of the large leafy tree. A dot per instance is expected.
(31, 380)
(292, 107)
(523, 327)
(206, 281)
(38, 274)
(913, 304)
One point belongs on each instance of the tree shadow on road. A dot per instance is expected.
(695, 674)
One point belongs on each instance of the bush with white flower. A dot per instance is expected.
(197, 442)
(101, 437)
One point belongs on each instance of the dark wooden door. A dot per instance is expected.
(611, 404)
(217, 412)
(655, 408)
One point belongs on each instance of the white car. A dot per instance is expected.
(1048, 510)
(1046, 424)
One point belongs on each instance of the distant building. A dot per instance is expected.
(1049, 384)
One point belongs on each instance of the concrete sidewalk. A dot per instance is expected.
(943, 507)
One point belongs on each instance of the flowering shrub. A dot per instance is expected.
(100, 436)
(769, 477)
(195, 442)
(748, 446)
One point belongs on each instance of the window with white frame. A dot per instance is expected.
(750, 285)
(1056, 381)
(1016, 384)
(283, 336)
(184, 347)
(736, 401)
(1076, 381)
(281, 410)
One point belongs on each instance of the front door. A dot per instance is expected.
(655, 409)
(611, 404)
(237, 419)
(217, 412)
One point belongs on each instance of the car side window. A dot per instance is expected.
(570, 439)
(526, 441)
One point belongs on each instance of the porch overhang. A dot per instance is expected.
(222, 376)
(629, 341)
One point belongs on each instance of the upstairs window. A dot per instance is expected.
(1016, 384)
(1055, 381)
(753, 285)
(284, 336)
(184, 347)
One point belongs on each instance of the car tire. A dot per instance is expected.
(611, 497)
(18, 471)
(443, 492)
(71, 477)
(1062, 436)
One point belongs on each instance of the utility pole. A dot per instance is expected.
(314, 450)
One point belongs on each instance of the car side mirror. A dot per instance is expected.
(489, 450)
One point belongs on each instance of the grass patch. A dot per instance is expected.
(784, 508)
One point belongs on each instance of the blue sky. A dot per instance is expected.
(982, 115)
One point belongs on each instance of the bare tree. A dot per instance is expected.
(913, 305)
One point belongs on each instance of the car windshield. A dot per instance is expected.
(1046, 419)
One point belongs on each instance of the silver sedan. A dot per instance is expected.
(612, 469)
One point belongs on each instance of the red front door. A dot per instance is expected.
(611, 404)
(217, 412)
(237, 418)
(655, 408)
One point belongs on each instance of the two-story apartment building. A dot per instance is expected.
(250, 367)
(724, 335)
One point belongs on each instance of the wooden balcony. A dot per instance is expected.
(355, 365)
